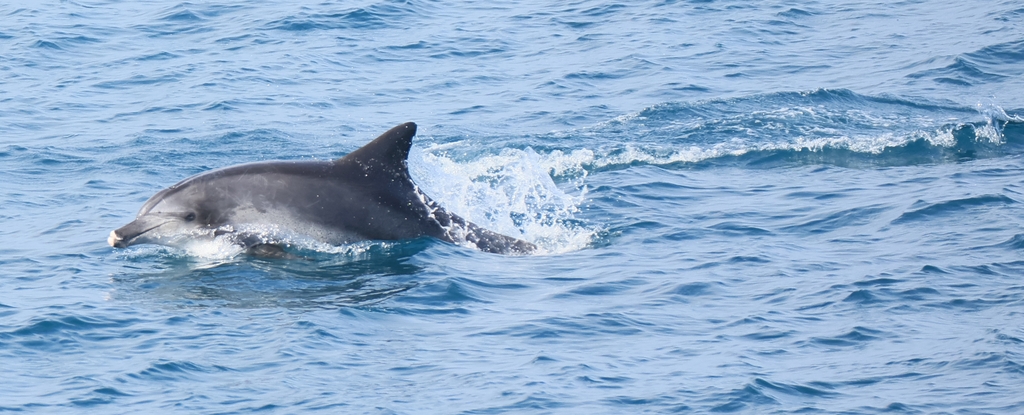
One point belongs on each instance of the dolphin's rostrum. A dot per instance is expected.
(366, 195)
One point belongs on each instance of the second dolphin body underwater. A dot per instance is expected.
(365, 195)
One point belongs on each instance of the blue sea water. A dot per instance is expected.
(768, 207)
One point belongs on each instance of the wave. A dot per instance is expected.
(824, 126)
(988, 64)
(362, 274)
(952, 207)
(830, 127)
(374, 16)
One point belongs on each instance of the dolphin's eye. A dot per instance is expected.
(190, 217)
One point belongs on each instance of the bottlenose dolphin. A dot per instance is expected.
(366, 195)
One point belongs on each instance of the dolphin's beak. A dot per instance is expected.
(125, 236)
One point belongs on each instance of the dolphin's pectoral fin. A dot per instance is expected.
(270, 251)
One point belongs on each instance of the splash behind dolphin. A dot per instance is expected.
(366, 195)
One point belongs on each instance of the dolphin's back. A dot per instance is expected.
(368, 194)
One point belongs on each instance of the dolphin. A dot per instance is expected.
(365, 195)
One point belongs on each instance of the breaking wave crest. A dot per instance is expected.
(824, 126)
(835, 127)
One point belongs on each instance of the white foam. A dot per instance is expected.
(512, 192)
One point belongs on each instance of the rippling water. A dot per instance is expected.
(755, 208)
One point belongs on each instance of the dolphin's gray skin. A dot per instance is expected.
(367, 194)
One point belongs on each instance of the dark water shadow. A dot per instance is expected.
(372, 273)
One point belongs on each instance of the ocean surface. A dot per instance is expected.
(768, 208)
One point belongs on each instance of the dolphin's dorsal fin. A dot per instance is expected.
(386, 153)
